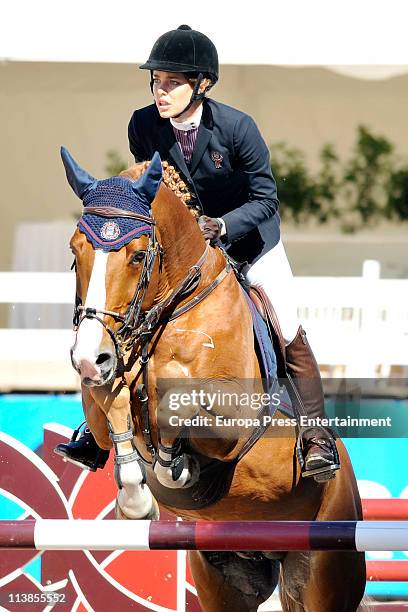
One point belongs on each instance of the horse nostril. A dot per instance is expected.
(103, 358)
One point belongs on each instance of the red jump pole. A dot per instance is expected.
(387, 571)
(385, 509)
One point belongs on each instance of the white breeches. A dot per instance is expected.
(273, 273)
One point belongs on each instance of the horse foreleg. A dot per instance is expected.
(96, 420)
(134, 500)
(329, 581)
(227, 583)
(174, 468)
(324, 581)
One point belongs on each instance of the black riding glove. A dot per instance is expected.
(210, 227)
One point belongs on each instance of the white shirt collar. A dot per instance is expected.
(191, 123)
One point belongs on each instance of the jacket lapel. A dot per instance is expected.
(203, 136)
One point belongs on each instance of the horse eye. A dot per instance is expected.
(138, 256)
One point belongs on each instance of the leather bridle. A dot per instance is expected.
(138, 325)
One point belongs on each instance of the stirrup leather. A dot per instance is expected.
(76, 431)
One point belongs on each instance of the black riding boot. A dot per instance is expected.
(320, 455)
(84, 451)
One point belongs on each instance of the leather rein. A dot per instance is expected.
(136, 324)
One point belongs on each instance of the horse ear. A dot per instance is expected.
(80, 181)
(149, 182)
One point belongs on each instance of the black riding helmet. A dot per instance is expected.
(187, 51)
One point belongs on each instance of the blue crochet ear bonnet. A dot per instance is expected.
(112, 233)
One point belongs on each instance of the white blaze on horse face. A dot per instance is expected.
(90, 332)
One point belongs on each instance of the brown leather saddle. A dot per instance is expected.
(267, 312)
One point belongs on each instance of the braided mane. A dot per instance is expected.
(171, 179)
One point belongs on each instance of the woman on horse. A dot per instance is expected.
(224, 160)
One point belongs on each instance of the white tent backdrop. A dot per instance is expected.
(345, 32)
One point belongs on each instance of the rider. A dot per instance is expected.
(224, 160)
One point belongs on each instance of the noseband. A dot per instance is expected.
(136, 324)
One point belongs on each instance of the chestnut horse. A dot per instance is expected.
(129, 312)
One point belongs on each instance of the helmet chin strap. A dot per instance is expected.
(195, 96)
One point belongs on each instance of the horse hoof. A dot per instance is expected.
(188, 477)
(153, 515)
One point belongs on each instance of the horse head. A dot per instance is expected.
(130, 248)
(116, 262)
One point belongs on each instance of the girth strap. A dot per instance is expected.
(258, 431)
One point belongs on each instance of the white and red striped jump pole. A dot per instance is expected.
(51, 534)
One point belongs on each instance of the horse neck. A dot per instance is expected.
(179, 235)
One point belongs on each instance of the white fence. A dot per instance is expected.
(360, 324)
(357, 327)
